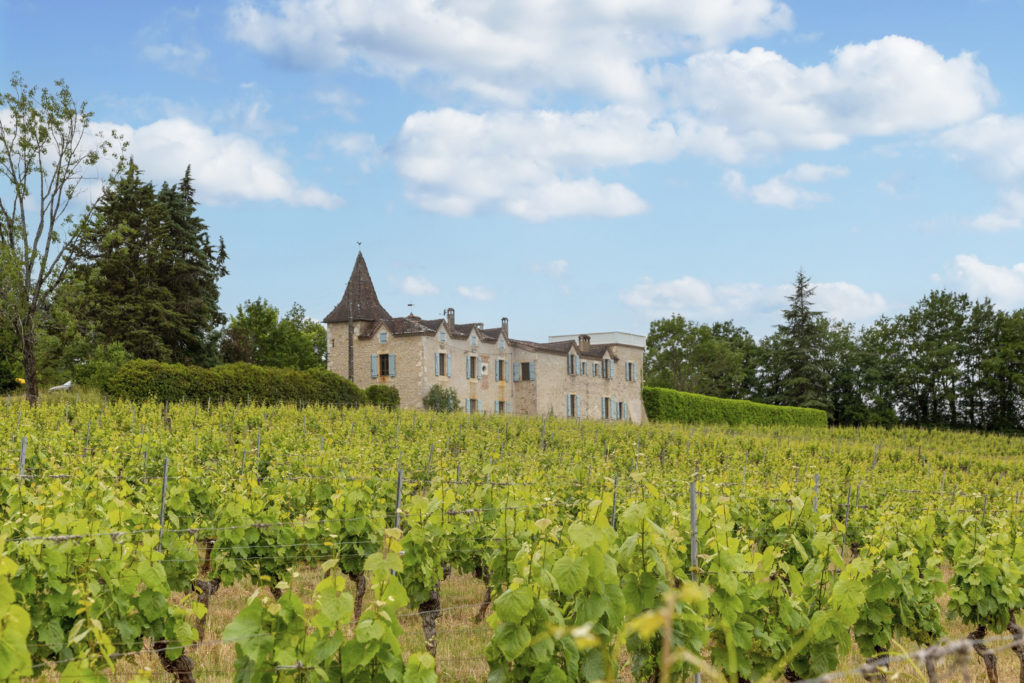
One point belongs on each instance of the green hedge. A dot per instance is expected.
(139, 380)
(383, 395)
(669, 405)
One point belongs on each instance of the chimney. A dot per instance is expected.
(584, 343)
(504, 327)
(450, 314)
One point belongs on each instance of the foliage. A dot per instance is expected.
(139, 380)
(383, 395)
(257, 334)
(677, 406)
(46, 146)
(715, 360)
(149, 272)
(441, 399)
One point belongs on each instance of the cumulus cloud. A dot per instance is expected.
(1004, 285)
(362, 147)
(993, 143)
(184, 58)
(417, 286)
(533, 164)
(888, 86)
(503, 51)
(477, 293)
(225, 166)
(783, 190)
(692, 297)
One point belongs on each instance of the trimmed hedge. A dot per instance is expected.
(669, 405)
(139, 380)
(383, 395)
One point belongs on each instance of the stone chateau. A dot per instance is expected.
(595, 376)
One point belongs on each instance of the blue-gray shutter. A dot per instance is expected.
(467, 368)
(448, 364)
(437, 364)
(391, 364)
(495, 407)
(373, 365)
(515, 372)
(467, 405)
(611, 367)
(568, 405)
(625, 407)
(533, 370)
(604, 406)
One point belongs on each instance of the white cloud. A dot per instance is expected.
(341, 101)
(533, 164)
(554, 268)
(362, 147)
(888, 86)
(994, 144)
(692, 297)
(186, 59)
(782, 190)
(225, 167)
(476, 293)
(1003, 285)
(417, 286)
(1008, 215)
(503, 51)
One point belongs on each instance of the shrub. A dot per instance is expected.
(669, 405)
(7, 376)
(441, 399)
(139, 380)
(102, 364)
(383, 395)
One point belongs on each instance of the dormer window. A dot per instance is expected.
(501, 344)
(472, 340)
(383, 337)
(443, 336)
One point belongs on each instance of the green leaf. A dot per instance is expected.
(512, 640)
(419, 669)
(570, 573)
(514, 604)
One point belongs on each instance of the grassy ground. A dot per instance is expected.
(461, 641)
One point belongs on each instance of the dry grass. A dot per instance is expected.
(461, 641)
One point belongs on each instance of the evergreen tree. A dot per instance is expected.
(799, 351)
(149, 273)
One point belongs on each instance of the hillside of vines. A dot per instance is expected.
(603, 551)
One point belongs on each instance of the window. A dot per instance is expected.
(571, 364)
(501, 344)
(472, 405)
(472, 340)
(524, 371)
(606, 408)
(499, 407)
(499, 370)
(619, 410)
(572, 405)
(442, 368)
(630, 371)
(472, 371)
(382, 365)
(597, 372)
(608, 368)
(443, 336)
(383, 337)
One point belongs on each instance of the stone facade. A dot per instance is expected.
(587, 376)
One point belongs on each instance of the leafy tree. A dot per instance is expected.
(47, 152)
(715, 360)
(257, 334)
(150, 273)
(796, 360)
(441, 399)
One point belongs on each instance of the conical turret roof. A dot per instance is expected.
(360, 299)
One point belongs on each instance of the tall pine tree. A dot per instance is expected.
(799, 350)
(149, 272)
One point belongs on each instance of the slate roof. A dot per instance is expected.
(360, 298)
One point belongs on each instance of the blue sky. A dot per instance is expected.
(575, 166)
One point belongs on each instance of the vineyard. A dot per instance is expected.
(585, 551)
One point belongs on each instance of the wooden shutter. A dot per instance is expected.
(515, 372)
(391, 364)
(437, 364)
(467, 369)
(533, 371)
(373, 365)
